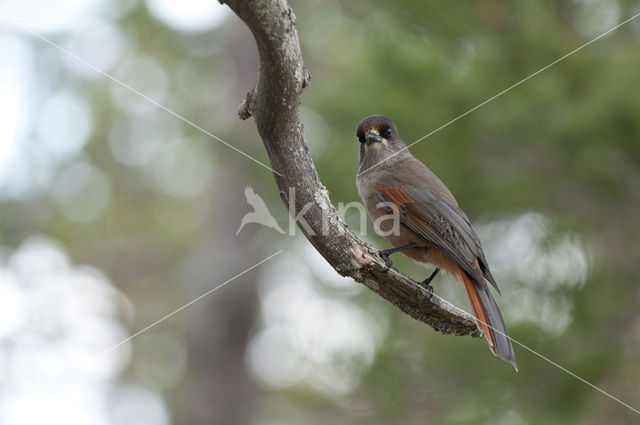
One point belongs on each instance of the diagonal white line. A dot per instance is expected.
(531, 350)
(188, 304)
(128, 87)
(62, 49)
(504, 91)
(573, 374)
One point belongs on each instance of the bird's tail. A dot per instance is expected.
(489, 319)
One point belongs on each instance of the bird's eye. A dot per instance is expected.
(387, 132)
(361, 138)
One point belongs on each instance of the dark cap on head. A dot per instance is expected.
(380, 124)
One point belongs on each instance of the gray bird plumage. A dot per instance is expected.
(430, 217)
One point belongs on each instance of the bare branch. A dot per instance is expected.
(274, 105)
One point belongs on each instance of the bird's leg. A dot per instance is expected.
(426, 283)
(387, 252)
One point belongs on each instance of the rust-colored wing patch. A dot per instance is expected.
(397, 196)
(441, 223)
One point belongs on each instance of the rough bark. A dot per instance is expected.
(274, 105)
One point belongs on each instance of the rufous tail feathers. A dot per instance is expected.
(489, 319)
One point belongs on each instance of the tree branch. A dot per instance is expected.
(274, 104)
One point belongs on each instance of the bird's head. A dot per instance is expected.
(376, 129)
(378, 137)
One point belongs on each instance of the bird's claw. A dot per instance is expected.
(426, 283)
(429, 289)
(387, 260)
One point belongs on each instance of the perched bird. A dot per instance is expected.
(432, 228)
(260, 213)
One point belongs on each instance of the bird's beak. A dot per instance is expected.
(372, 137)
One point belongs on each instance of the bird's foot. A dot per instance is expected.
(387, 252)
(385, 257)
(429, 289)
(426, 283)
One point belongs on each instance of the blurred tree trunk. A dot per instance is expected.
(217, 388)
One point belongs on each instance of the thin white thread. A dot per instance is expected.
(503, 92)
(551, 362)
(187, 304)
(62, 49)
(128, 87)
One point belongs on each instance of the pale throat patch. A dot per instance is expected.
(378, 146)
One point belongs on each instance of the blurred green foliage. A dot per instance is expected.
(565, 143)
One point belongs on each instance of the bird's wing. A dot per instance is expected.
(441, 223)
